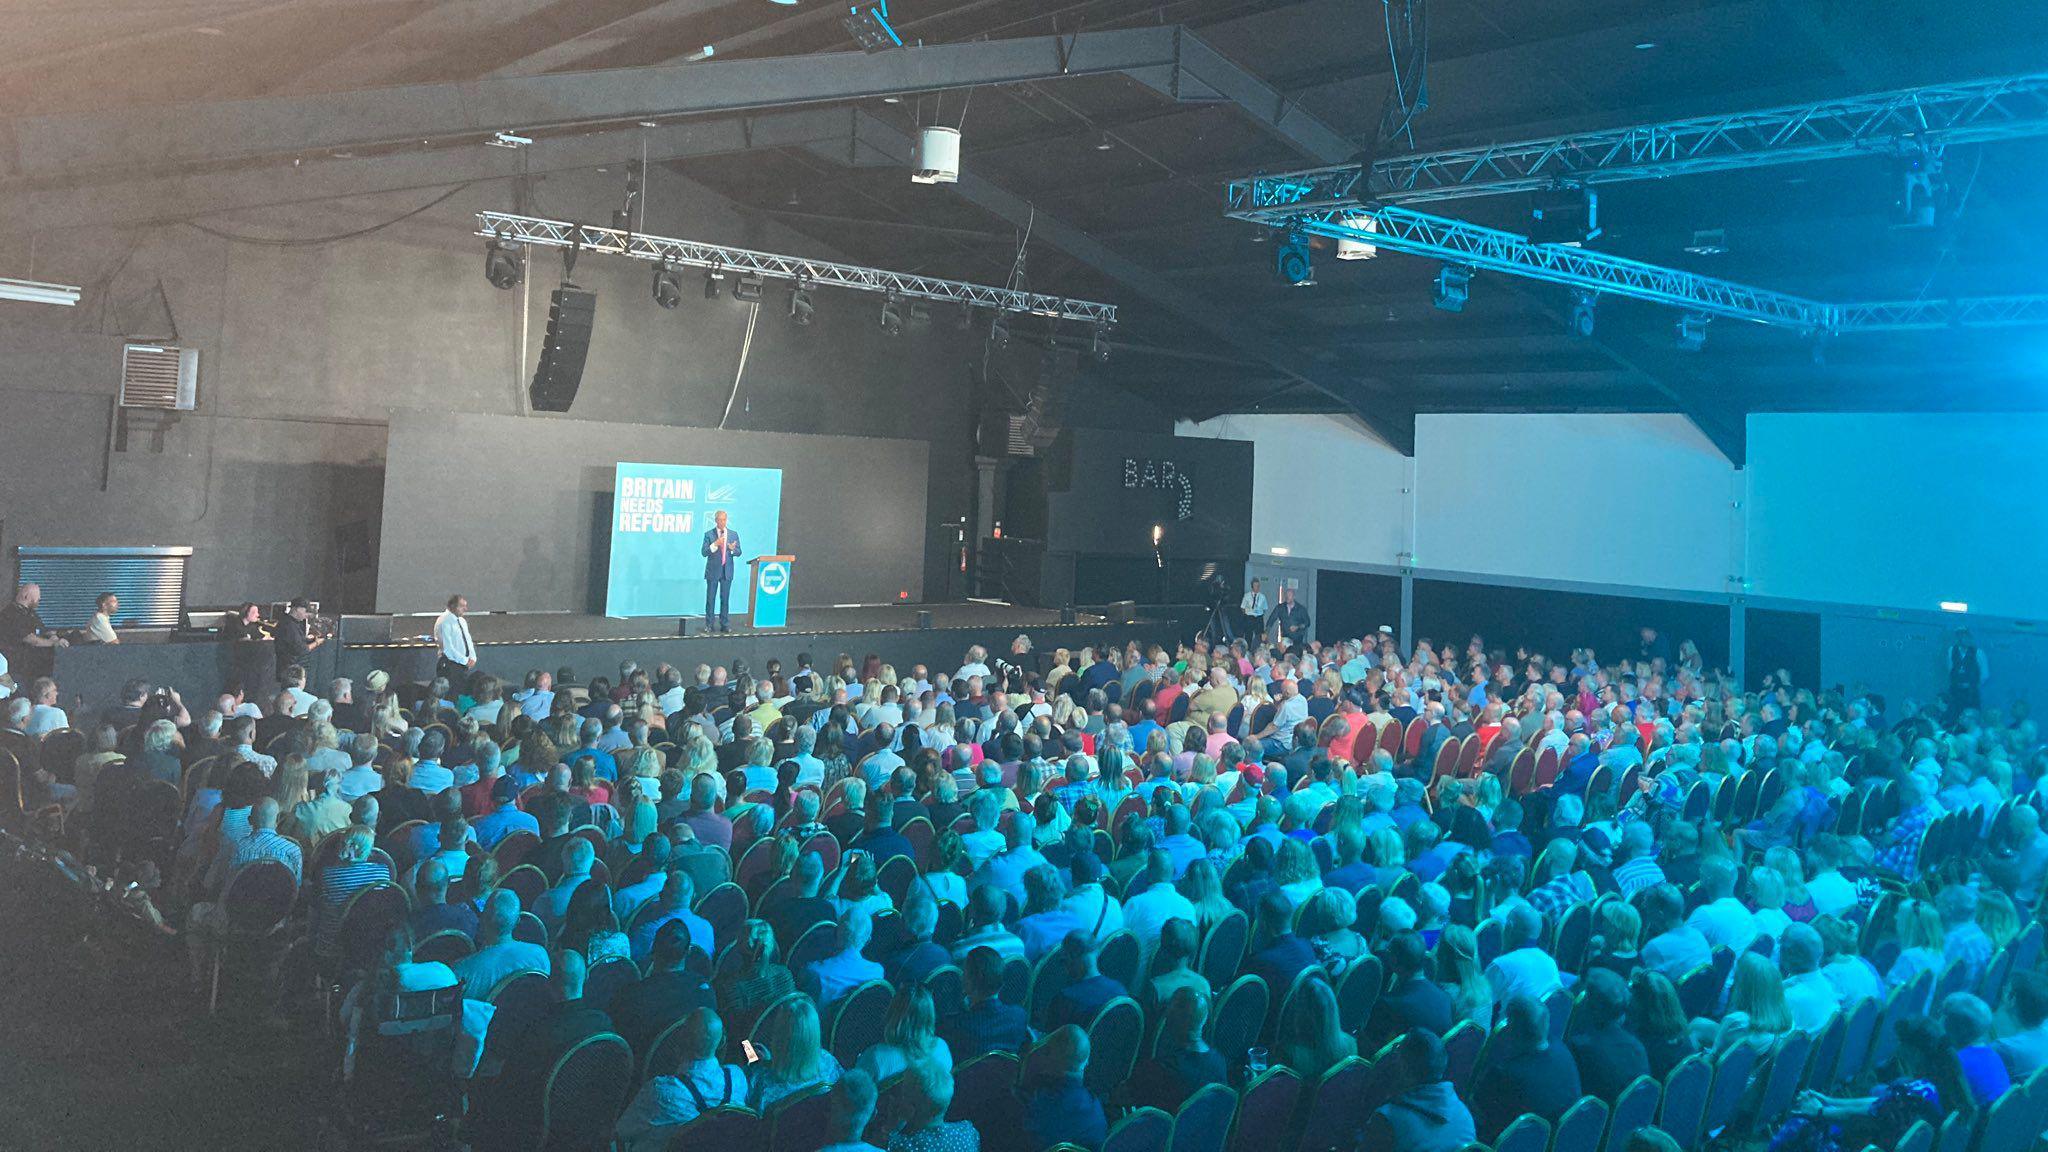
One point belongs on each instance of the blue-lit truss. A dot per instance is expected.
(1350, 202)
(1881, 123)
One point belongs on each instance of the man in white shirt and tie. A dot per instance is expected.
(1253, 608)
(458, 650)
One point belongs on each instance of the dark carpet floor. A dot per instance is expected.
(102, 1046)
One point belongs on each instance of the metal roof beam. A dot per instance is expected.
(182, 196)
(47, 147)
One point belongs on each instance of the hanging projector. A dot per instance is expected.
(1351, 248)
(938, 156)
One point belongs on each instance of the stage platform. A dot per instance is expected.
(510, 643)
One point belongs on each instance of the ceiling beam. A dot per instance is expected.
(1685, 388)
(151, 199)
(49, 147)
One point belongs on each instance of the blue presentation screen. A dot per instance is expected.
(660, 513)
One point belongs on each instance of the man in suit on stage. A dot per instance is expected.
(721, 549)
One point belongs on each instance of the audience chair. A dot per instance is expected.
(1203, 1122)
(1684, 1107)
(1581, 1127)
(1145, 1130)
(1526, 1134)
(586, 1090)
(1265, 1111)
(856, 1020)
(1635, 1108)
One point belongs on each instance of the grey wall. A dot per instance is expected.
(853, 510)
(306, 350)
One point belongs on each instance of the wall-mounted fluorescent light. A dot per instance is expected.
(1954, 606)
(37, 292)
(1279, 551)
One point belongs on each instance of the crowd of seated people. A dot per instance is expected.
(1341, 895)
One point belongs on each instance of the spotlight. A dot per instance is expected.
(963, 319)
(1351, 247)
(1708, 242)
(868, 24)
(712, 279)
(1692, 331)
(800, 307)
(999, 330)
(1453, 287)
(1569, 216)
(622, 220)
(1291, 262)
(1581, 324)
(1922, 190)
(668, 285)
(892, 315)
(747, 288)
(920, 314)
(1098, 343)
(504, 267)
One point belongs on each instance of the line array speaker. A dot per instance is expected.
(571, 313)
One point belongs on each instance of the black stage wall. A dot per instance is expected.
(513, 511)
(1096, 496)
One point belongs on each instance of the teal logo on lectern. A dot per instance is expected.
(771, 594)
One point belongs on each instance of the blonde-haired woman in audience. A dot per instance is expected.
(909, 1039)
(1922, 943)
(797, 1058)
(1756, 1014)
(1202, 885)
(1792, 870)
(1998, 916)
(1461, 975)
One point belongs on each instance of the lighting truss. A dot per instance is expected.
(508, 228)
(1964, 312)
(1879, 123)
(1490, 249)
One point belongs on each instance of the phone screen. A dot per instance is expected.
(747, 1049)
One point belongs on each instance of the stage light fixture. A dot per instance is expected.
(622, 220)
(920, 314)
(1922, 189)
(1568, 216)
(747, 289)
(963, 317)
(1692, 331)
(1098, 343)
(504, 266)
(1581, 322)
(1453, 287)
(892, 315)
(800, 306)
(1291, 261)
(999, 330)
(712, 279)
(868, 24)
(1708, 242)
(668, 286)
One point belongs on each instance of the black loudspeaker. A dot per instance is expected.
(683, 626)
(1121, 612)
(924, 618)
(571, 313)
(1067, 614)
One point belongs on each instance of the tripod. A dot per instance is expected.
(1216, 628)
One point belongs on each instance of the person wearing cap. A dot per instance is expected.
(505, 817)
(294, 642)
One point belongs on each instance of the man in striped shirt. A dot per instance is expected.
(1638, 868)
